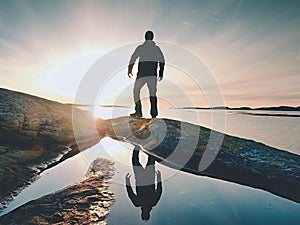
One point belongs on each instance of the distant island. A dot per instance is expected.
(272, 108)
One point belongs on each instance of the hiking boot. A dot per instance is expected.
(136, 115)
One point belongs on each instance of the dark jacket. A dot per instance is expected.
(146, 196)
(149, 55)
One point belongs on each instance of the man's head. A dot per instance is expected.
(149, 35)
(145, 214)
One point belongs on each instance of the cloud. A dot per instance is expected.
(187, 23)
(250, 53)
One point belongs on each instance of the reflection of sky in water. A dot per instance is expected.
(190, 199)
(186, 198)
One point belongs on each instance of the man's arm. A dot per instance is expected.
(130, 192)
(132, 60)
(161, 61)
(158, 190)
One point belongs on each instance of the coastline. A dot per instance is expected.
(50, 142)
(35, 133)
(85, 202)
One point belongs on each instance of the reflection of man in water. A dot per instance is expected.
(150, 56)
(147, 196)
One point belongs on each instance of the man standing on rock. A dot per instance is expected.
(150, 56)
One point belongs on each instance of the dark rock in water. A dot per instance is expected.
(36, 133)
(201, 151)
(85, 202)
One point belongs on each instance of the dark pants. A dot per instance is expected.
(143, 176)
(151, 82)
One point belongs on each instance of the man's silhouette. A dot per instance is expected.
(150, 56)
(147, 196)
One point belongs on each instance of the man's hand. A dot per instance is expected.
(158, 176)
(129, 74)
(159, 78)
(127, 179)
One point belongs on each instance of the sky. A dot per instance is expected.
(251, 47)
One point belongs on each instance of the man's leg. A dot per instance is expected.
(135, 158)
(137, 166)
(152, 86)
(150, 171)
(138, 84)
(151, 161)
(153, 101)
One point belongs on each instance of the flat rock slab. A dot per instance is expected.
(85, 202)
(202, 151)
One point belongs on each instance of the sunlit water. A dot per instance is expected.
(186, 198)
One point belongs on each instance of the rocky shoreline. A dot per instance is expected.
(85, 202)
(35, 134)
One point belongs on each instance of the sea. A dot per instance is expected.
(185, 198)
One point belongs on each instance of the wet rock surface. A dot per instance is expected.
(201, 151)
(85, 202)
(35, 133)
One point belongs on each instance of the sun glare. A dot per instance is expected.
(64, 77)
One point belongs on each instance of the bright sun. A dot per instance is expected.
(63, 78)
